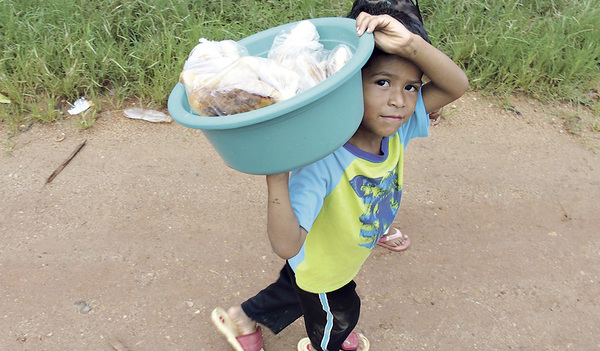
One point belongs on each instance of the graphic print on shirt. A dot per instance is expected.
(381, 197)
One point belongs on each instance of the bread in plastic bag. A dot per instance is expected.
(220, 78)
(338, 57)
(212, 56)
(208, 59)
(247, 84)
(302, 38)
(301, 52)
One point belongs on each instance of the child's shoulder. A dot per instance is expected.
(417, 125)
(331, 166)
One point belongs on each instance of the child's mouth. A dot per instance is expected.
(394, 117)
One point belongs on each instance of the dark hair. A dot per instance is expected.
(405, 11)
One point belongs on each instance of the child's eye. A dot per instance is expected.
(411, 88)
(383, 83)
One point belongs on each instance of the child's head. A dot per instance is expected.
(391, 87)
(390, 83)
(405, 11)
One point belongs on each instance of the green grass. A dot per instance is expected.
(54, 51)
(544, 48)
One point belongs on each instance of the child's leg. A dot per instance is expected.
(276, 306)
(330, 317)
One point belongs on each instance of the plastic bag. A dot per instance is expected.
(248, 84)
(301, 52)
(208, 59)
(220, 78)
(147, 115)
(213, 56)
(302, 38)
(338, 57)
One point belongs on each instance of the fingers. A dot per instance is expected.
(390, 35)
(369, 23)
(435, 117)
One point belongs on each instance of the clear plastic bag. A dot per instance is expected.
(301, 52)
(220, 78)
(207, 60)
(338, 57)
(212, 56)
(247, 84)
(147, 115)
(302, 38)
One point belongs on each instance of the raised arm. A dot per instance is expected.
(285, 234)
(448, 81)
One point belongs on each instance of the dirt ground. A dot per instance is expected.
(146, 231)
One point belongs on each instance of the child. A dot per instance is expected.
(326, 218)
(409, 15)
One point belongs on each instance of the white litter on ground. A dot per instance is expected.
(79, 106)
(147, 115)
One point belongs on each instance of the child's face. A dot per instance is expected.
(390, 89)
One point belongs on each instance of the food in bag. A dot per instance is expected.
(220, 78)
(209, 58)
(339, 56)
(241, 87)
(301, 52)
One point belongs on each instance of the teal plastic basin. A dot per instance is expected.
(296, 132)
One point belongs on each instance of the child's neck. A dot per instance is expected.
(371, 145)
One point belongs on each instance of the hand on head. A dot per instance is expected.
(390, 35)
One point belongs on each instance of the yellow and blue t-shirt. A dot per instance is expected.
(345, 202)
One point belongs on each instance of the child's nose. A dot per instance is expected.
(397, 99)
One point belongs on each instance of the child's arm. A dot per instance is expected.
(448, 81)
(285, 234)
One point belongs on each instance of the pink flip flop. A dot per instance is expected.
(248, 342)
(350, 344)
(397, 234)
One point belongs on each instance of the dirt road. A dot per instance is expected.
(146, 230)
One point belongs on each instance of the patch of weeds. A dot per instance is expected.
(595, 126)
(8, 116)
(596, 108)
(574, 124)
(9, 145)
(86, 119)
(449, 111)
(116, 97)
(45, 111)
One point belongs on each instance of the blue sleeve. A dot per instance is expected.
(307, 191)
(417, 125)
(311, 184)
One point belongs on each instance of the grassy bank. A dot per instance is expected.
(545, 48)
(55, 51)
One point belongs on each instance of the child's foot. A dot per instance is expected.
(363, 343)
(395, 242)
(244, 324)
(241, 332)
(354, 340)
